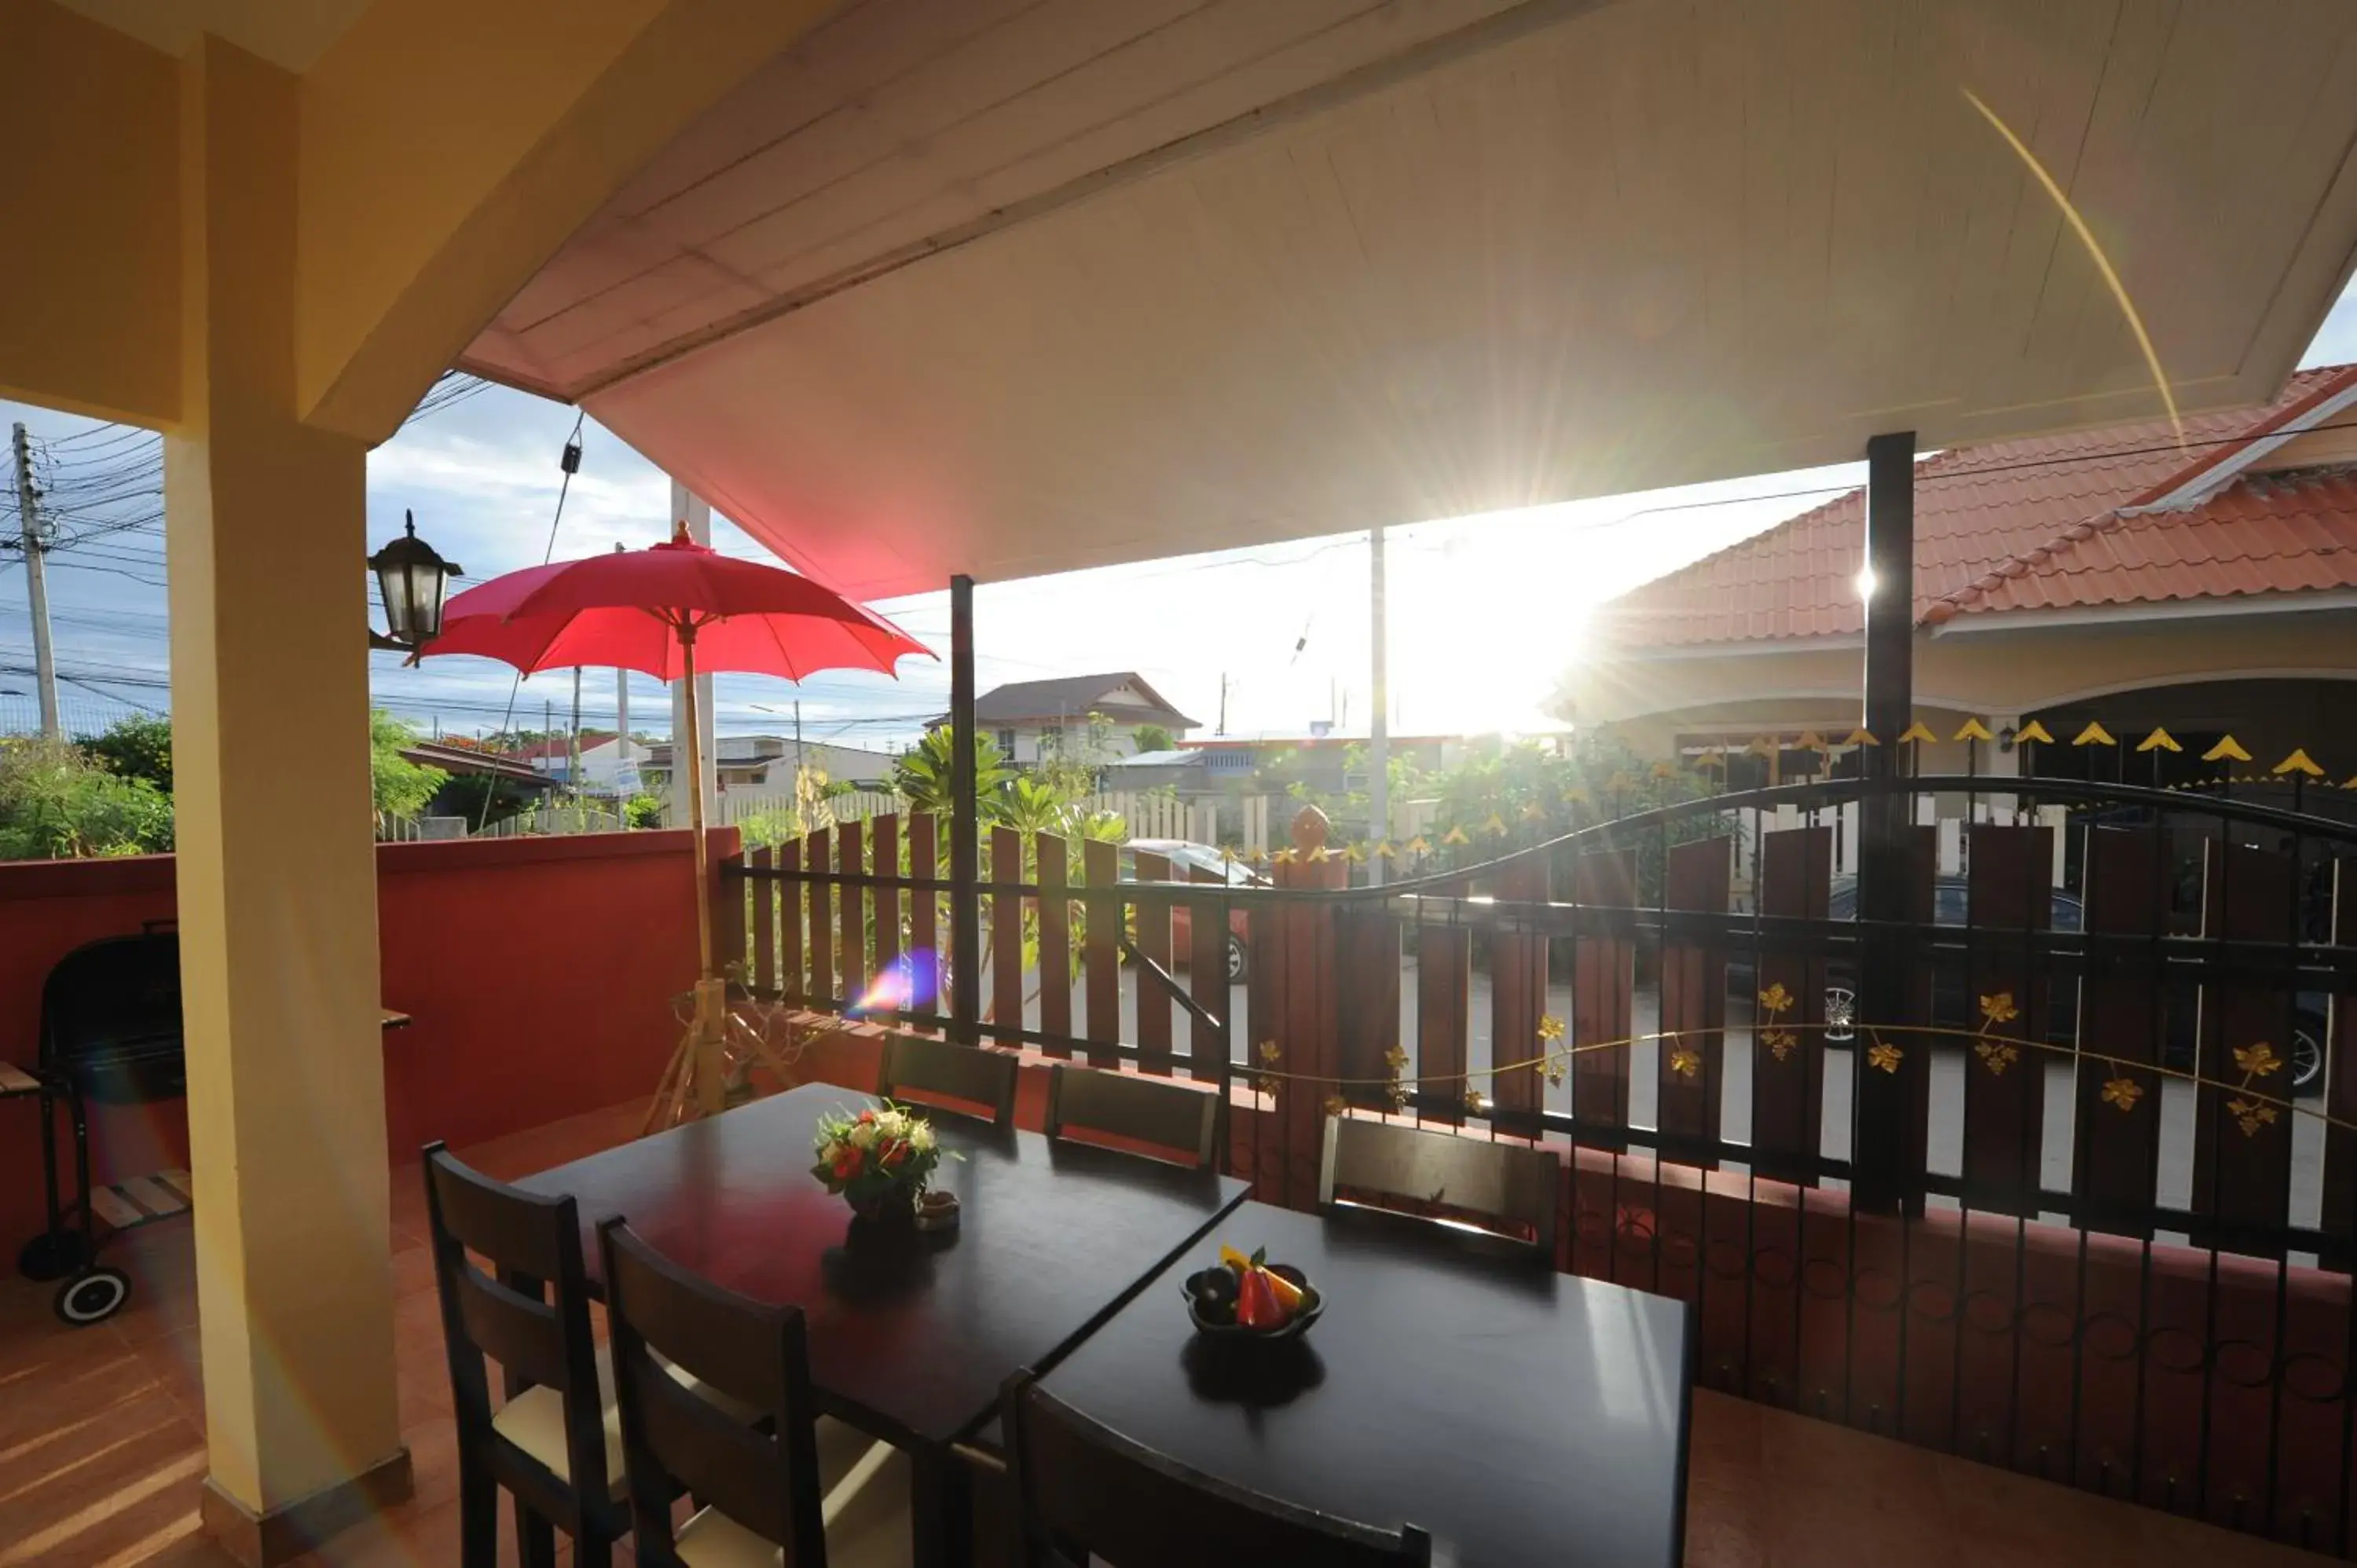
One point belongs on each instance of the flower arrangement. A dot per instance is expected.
(879, 1161)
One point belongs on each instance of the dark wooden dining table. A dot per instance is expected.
(1517, 1414)
(909, 1338)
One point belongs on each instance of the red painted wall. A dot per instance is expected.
(539, 972)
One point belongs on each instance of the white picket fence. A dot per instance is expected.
(858, 806)
(554, 821)
(1160, 816)
(1149, 815)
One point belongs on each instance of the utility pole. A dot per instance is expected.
(573, 747)
(1379, 734)
(625, 765)
(798, 743)
(1223, 704)
(37, 585)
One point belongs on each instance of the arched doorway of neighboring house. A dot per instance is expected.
(2270, 717)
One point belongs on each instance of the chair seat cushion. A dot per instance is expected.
(534, 1422)
(871, 1531)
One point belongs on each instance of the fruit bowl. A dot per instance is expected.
(1211, 1295)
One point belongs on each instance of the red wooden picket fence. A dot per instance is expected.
(2191, 1354)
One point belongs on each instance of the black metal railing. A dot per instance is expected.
(2109, 1241)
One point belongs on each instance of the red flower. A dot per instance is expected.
(894, 1154)
(847, 1164)
(869, 1115)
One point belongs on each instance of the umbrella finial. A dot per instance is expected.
(679, 533)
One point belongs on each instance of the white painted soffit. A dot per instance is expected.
(986, 307)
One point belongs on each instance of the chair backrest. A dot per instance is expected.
(937, 1070)
(676, 1438)
(1080, 1486)
(533, 1245)
(1186, 1121)
(1510, 1187)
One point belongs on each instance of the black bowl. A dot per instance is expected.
(1312, 1306)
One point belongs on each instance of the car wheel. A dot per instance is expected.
(2307, 1063)
(1239, 963)
(1841, 1016)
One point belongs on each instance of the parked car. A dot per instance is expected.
(1185, 858)
(1950, 1008)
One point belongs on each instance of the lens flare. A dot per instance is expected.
(909, 981)
(2103, 262)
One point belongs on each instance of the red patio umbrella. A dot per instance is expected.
(672, 611)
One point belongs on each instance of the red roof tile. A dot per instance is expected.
(2030, 524)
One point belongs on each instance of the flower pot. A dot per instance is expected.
(895, 1207)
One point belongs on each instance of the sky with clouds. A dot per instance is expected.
(1484, 611)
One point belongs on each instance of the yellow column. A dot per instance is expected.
(265, 520)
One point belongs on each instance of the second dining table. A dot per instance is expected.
(910, 1339)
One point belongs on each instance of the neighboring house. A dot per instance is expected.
(1023, 715)
(1180, 770)
(766, 763)
(1319, 762)
(2111, 575)
(469, 759)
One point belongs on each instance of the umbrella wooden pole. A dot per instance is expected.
(707, 1064)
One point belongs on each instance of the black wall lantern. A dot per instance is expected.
(411, 579)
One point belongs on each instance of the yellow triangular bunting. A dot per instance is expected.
(2158, 740)
(1575, 796)
(2227, 747)
(1455, 836)
(1762, 745)
(1810, 741)
(2033, 731)
(1917, 731)
(1861, 738)
(1496, 824)
(2094, 735)
(1385, 851)
(1355, 853)
(1975, 730)
(1419, 845)
(1665, 770)
(2298, 762)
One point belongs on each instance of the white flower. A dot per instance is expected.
(863, 1134)
(920, 1137)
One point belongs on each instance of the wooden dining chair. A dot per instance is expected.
(795, 1487)
(555, 1445)
(1186, 1121)
(1084, 1492)
(937, 1070)
(1511, 1189)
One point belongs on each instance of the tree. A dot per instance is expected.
(1152, 737)
(136, 747)
(58, 802)
(402, 788)
(924, 773)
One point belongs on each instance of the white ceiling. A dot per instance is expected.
(974, 285)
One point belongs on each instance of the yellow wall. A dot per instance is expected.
(90, 297)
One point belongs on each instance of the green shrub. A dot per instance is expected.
(58, 802)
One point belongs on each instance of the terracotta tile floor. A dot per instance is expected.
(101, 1444)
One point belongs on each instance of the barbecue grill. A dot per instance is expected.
(109, 1034)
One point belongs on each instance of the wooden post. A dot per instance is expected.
(1882, 1104)
(965, 825)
